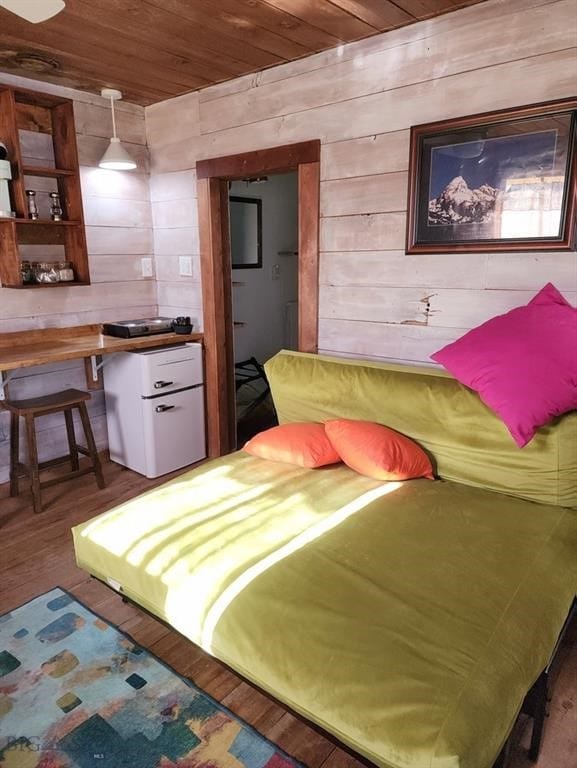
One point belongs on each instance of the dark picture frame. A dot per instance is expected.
(497, 181)
(245, 215)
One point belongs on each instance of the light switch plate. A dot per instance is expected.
(275, 272)
(185, 266)
(146, 267)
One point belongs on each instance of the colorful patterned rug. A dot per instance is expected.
(77, 693)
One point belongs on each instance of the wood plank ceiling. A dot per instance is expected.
(155, 49)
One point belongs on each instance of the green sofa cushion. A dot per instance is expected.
(467, 442)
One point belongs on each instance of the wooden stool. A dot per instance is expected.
(29, 409)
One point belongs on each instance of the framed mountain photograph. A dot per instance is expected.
(500, 181)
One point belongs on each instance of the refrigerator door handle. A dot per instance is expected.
(160, 384)
(162, 408)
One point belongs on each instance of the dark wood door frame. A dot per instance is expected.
(213, 176)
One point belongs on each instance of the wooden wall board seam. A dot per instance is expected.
(116, 198)
(327, 182)
(324, 216)
(95, 226)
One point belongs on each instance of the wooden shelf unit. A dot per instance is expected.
(27, 110)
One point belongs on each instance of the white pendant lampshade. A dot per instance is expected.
(116, 158)
(34, 11)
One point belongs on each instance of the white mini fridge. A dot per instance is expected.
(155, 408)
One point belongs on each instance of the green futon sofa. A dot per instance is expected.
(408, 619)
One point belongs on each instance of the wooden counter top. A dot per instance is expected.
(23, 349)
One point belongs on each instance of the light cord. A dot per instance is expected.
(113, 118)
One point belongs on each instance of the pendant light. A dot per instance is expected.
(116, 158)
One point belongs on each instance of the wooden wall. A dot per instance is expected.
(119, 233)
(360, 100)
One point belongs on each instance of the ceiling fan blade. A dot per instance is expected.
(34, 11)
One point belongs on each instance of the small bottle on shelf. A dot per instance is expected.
(32, 207)
(55, 207)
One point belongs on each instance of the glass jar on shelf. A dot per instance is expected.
(65, 271)
(26, 272)
(46, 272)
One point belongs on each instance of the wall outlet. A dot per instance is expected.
(185, 266)
(146, 267)
(275, 272)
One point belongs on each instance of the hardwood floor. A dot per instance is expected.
(37, 555)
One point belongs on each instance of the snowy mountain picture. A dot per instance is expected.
(501, 178)
(459, 204)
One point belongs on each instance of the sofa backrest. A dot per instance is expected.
(468, 443)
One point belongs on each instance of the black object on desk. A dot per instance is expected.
(127, 329)
(182, 325)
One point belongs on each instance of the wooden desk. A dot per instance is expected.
(24, 349)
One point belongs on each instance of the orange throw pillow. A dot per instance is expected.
(378, 451)
(304, 444)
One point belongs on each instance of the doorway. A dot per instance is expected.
(213, 177)
(263, 214)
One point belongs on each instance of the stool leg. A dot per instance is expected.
(14, 453)
(91, 445)
(33, 462)
(72, 447)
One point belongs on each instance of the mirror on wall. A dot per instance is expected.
(245, 232)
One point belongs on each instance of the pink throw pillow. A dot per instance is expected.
(523, 364)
